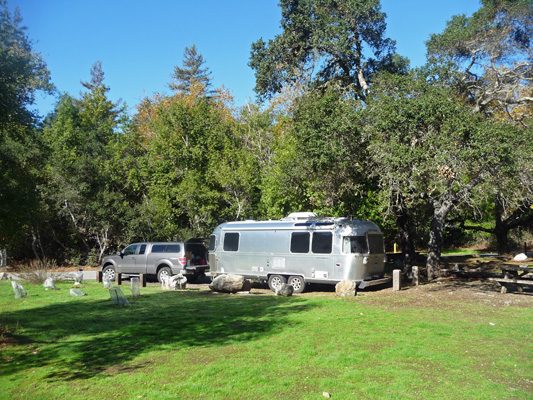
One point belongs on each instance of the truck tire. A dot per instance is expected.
(109, 272)
(162, 273)
(298, 283)
(275, 281)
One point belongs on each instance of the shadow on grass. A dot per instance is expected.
(80, 339)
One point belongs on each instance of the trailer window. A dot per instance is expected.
(375, 244)
(212, 242)
(354, 244)
(231, 242)
(300, 242)
(322, 242)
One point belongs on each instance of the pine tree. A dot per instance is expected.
(193, 72)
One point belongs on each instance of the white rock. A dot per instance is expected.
(520, 257)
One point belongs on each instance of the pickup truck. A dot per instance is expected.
(159, 259)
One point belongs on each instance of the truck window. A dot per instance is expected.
(158, 248)
(231, 242)
(300, 242)
(212, 242)
(322, 242)
(142, 249)
(173, 248)
(375, 244)
(354, 244)
(130, 250)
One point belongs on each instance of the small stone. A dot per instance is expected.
(326, 395)
(285, 290)
(77, 293)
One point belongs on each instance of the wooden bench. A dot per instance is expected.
(514, 275)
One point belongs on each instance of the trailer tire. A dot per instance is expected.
(275, 282)
(297, 282)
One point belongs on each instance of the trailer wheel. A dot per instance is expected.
(298, 283)
(275, 282)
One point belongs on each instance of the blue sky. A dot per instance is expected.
(139, 41)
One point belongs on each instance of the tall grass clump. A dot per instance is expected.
(36, 271)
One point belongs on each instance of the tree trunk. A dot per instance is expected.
(440, 211)
(501, 229)
(36, 245)
(406, 236)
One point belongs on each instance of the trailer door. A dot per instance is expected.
(323, 260)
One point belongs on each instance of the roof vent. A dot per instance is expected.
(299, 216)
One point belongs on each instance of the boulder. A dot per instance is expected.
(49, 284)
(285, 290)
(117, 297)
(107, 282)
(78, 278)
(230, 284)
(165, 283)
(520, 257)
(19, 290)
(346, 288)
(178, 282)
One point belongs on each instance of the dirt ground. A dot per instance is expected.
(476, 289)
(441, 291)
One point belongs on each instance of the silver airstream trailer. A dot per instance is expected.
(300, 249)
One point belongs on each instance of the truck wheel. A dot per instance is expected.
(275, 282)
(163, 273)
(109, 273)
(298, 283)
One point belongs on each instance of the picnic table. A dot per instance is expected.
(518, 275)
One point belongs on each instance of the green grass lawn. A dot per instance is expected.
(197, 345)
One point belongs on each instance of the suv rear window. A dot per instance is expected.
(166, 248)
(173, 248)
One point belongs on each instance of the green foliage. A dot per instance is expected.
(493, 49)
(429, 148)
(22, 73)
(320, 168)
(201, 171)
(343, 41)
(404, 153)
(85, 198)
